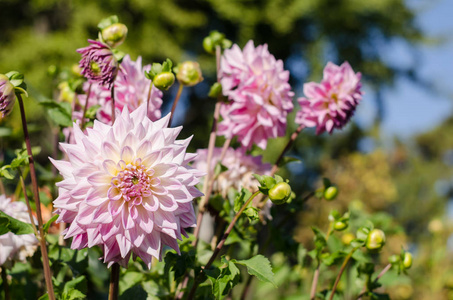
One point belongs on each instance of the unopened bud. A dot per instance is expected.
(189, 73)
(115, 34)
(216, 90)
(164, 81)
(407, 261)
(280, 193)
(347, 238)
(208, 45)
(7, 96)
(331, 193)
(76, 70)
(339, 226)
(375, 240)
(394, 259)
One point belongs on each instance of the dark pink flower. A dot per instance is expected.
(331, 103)
(98, 63)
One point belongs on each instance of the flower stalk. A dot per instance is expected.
(175, 102)
(34, 181)
(343, 267)
(114, 282)
(363, 291)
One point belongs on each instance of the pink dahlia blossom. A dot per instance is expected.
(131, 90)
(331, 103)
(7, 96)
(16, 247)
(127, 188)
(260, 96)
(98, 63)
(241, 168)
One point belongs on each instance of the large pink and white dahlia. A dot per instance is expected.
(127, 187)
(260, 96)
(131, 89)
(331, 103)
(16, 247)
(241, 168)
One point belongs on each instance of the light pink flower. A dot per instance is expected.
(260, 96)
(127, 187)
(241, 168)
(331, 103)
(16, 247)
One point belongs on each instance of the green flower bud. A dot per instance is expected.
(339, 226)
(114, 35)
(208, 45)
(189, 73)
(164, 81)
(52, 71)
(331, 193)
(347, 238)
(280, 193)
(375, 240)
(76, 70)
(216, 90)
(394, 259)
(66, 94)
(407, 260)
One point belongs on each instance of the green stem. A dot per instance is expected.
(175, 102)
(85, 107)
(5, 284)
(221, 243)
(34, 181)
(343, 267)
(32, 221)
(114, 282)
(287, 147)
(316, 274)
(363, 291)
(112, 95)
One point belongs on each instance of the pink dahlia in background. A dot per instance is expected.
(127, 188)
(132, 89)
(98, 63)
(260, 96)
(241, 168)
(331, 103)
(16, 247)
(7, 96)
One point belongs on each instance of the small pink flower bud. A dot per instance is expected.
(7, 96)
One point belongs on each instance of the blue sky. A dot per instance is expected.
(411, 109)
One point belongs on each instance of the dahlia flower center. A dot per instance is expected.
(94, 67)
(133, 182)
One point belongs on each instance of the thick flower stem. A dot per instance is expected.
(5, 284)
(32, 221)
(343, 267)
(175, 102)
(316, 274)
(112, 95)
(85, 107)
(363, 291)
(221, 243)
(34, 181)
(114, 282)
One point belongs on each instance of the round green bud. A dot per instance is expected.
(407, 260)
(216, 90)
(189, 73)
(280, 193)
(76, 70)
(394, 259)
(164, 81)
(208, 45)
(375, 240)
(114, 35)
(339, 226)
(347, 238)
(331, 193)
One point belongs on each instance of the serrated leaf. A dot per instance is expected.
(73, 294)
(228, 278)
(320, 239)
(10, 224)
(260, 267)
(241, 199)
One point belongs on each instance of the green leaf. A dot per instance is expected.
(241, 199)
(128, 280)
(73, 294)
(333, 258)
(252, 213)
(288, 159)
(228, 278)
(60, 118)
(260, 267)
(107, 22)
(44, 297)
(320, 239)
(4, 172)
(47, 225)
(10, 224)
(219, 168)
